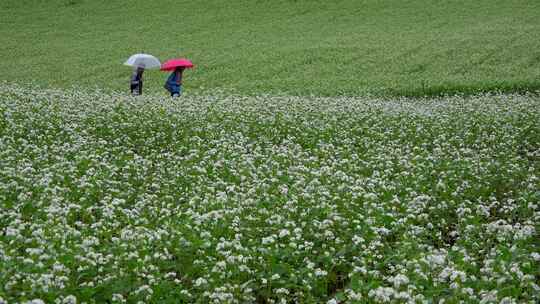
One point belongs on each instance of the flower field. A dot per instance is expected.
(230, 199)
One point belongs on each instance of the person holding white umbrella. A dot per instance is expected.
(139, 62)
(136, 82)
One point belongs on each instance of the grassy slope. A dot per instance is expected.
(301, 47)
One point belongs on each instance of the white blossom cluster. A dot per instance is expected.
(233, 199)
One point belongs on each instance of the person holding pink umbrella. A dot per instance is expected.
(174, 81)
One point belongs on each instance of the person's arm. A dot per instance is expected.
(171, 80)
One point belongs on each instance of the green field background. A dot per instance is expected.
(342, 47)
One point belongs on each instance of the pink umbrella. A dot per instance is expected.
(172, 64)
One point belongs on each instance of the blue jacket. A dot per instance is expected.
(136, 83)
(172, 83)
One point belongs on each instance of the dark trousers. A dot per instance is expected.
(136, 89)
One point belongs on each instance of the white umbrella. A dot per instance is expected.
(143, 61)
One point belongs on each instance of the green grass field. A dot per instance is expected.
(298, 47)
